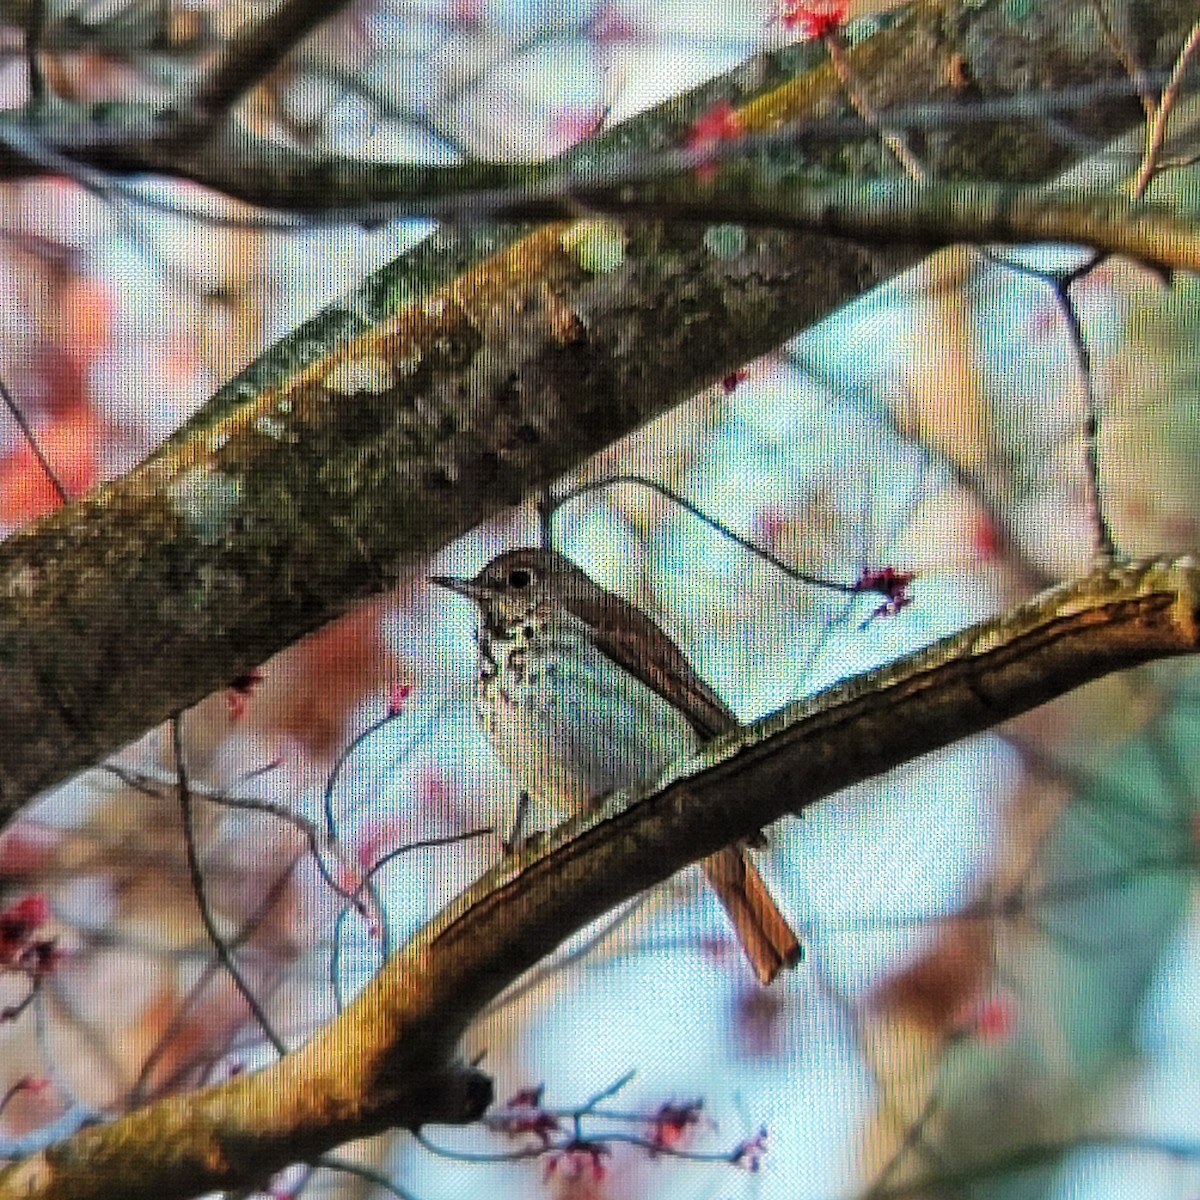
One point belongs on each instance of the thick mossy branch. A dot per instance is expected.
(455, 381)
(389, 1059)
(254, 527)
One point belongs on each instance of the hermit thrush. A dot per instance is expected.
(581, 692)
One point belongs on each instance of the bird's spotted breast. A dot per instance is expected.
(567, 722)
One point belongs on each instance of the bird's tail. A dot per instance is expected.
(766, 937)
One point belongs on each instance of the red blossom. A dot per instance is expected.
(750, 1153)
(524, 1114)
(720, 122)
(397, 696)
(576, 1159)
(536, 1121)
(891, 584)
(19, 921)
(731, 381)
(812, 19)
(993, 1020)
(988, 540)
(671, 1123)
(21, 951)
(240, 690)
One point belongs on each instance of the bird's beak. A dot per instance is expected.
(464, 587)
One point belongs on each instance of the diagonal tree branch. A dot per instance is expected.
(388, 1060)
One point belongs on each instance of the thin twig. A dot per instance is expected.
(525, 1153)
(895, 142)
(318, 841)
(712, 522)
(1138, 75)
(138, 1092)
(1105, 546)
(914, 1136)
(1060, 285)
(383, 929)
(199, 890)
(1158, 119)
(31, 441)
(448, 839)
(343, 758)
(35, 27)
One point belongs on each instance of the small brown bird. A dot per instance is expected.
(581, 692)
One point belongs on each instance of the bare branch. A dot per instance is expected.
(893, 211)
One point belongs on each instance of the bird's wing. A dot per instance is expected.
(636, 643)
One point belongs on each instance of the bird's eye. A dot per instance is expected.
(520, 578)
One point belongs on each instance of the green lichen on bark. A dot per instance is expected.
(119, 609)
